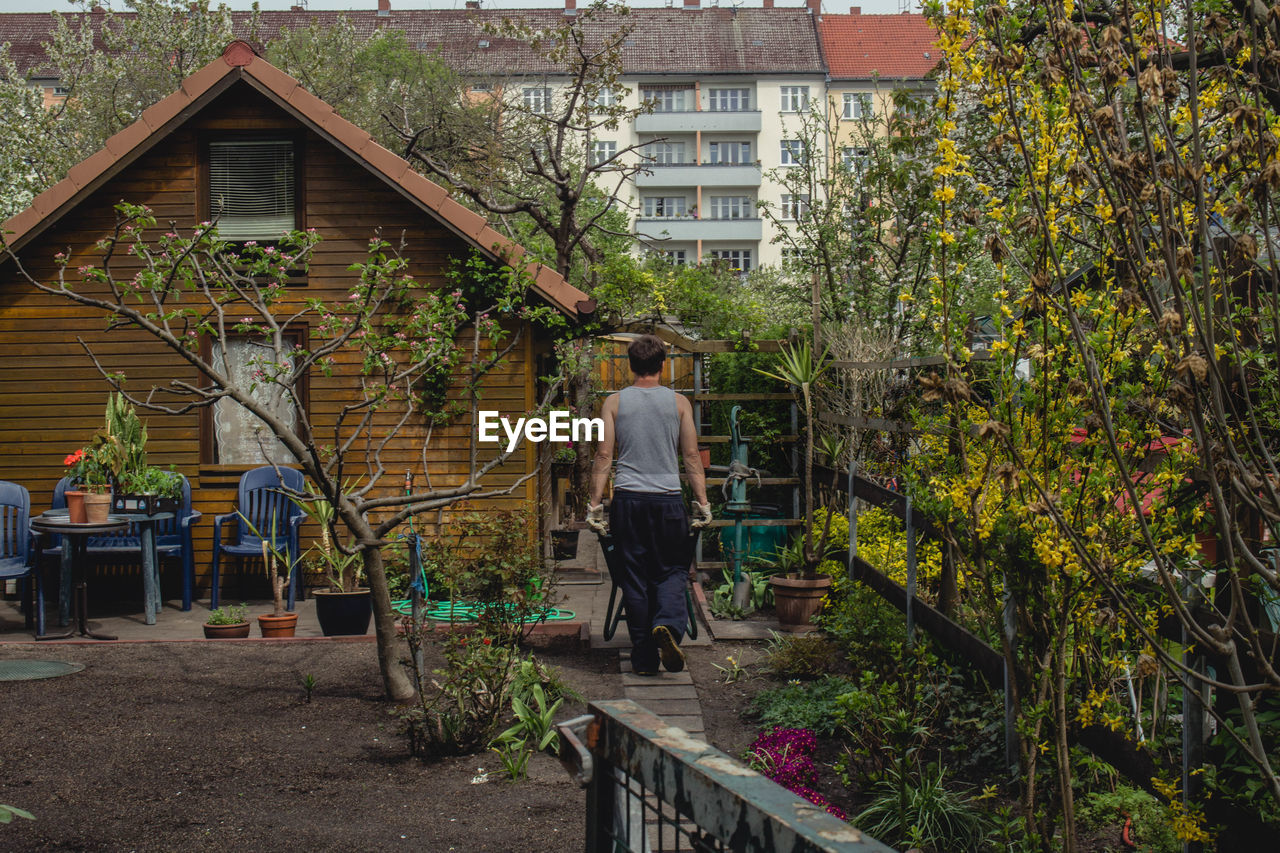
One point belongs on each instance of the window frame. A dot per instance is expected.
(731, 203)
(743, 148)
(300, 334)
(793, 206)
(658, 96)
(594, 157)
(606, 98)
(743, 259)
(857, 106)
(791, 152)
(204, 200)
(742, 96)
(678, 203)
(787, 99)
(546, 100)
(668, 148)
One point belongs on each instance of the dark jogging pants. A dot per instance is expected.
(652, 534)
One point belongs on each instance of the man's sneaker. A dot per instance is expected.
(672, 657)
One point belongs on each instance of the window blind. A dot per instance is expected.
(251, 188)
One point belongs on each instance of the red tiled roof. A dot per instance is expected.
(890, 47)
(238, 62)
(662, 41)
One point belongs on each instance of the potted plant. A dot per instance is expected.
(90, 500)
(279, 622)
(149, 490)
(345, 607)
(798, 595)
(227, 622)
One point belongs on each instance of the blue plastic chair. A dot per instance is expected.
(264, 502)
(173, 538)
(15, 550)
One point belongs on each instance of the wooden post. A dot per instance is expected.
(1010, 628)
(911, 578)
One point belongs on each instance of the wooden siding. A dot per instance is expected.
(52, 399)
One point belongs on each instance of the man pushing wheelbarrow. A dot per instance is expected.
(651, 427)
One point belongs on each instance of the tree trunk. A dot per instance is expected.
(397, 685)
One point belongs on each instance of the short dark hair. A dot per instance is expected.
(646, 354)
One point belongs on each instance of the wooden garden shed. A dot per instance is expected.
(239, 111)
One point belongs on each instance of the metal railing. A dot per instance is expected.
(653, 787)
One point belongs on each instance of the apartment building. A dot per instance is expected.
(868, 58)
(728, 87)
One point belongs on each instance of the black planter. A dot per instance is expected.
(343, 614)
(564, 544)
(146, 504)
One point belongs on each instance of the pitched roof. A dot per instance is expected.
(888, 47)
(239, 63)
(686, 41)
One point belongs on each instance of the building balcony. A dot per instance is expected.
(688, 228)
(658, 175)
(707, 121)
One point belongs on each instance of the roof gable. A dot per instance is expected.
(239, 63)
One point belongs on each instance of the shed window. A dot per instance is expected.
(236, 436)
(252, 188)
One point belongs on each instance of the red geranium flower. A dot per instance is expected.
(74, 457)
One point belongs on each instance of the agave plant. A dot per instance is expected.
(798, 368)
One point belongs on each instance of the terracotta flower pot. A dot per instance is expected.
(75, 506)
(238, 630)
(97, 506)
(798, 600)
(278, 626)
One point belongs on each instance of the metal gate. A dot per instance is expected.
(652, 787)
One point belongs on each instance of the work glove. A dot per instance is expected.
(701, 515)
(595, 519)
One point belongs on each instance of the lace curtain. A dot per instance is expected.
(239, 437)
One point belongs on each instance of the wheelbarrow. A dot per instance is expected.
(617, 609)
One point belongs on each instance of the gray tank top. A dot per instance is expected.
(647, 430)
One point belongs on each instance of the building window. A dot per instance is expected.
(675, 257)
(794, 206)
(855, 159)
(537, 99)
(233, 435)
(665, 207)
(665, 153)
(795, 99)
(792, 152)
(481, 86)
(793, 257)
(857, 105)
(603, 151)
(730, 153)
(665, 100)
(252, 188)
(604, 99)
(729, 100)
(61, 91)
(732, 207)
(735, 259)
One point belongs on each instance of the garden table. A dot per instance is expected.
(146, 524)
(76, 536)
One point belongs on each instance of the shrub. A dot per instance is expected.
(813, 706)
(1151, 826)
(799, 655)
(920, 811)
